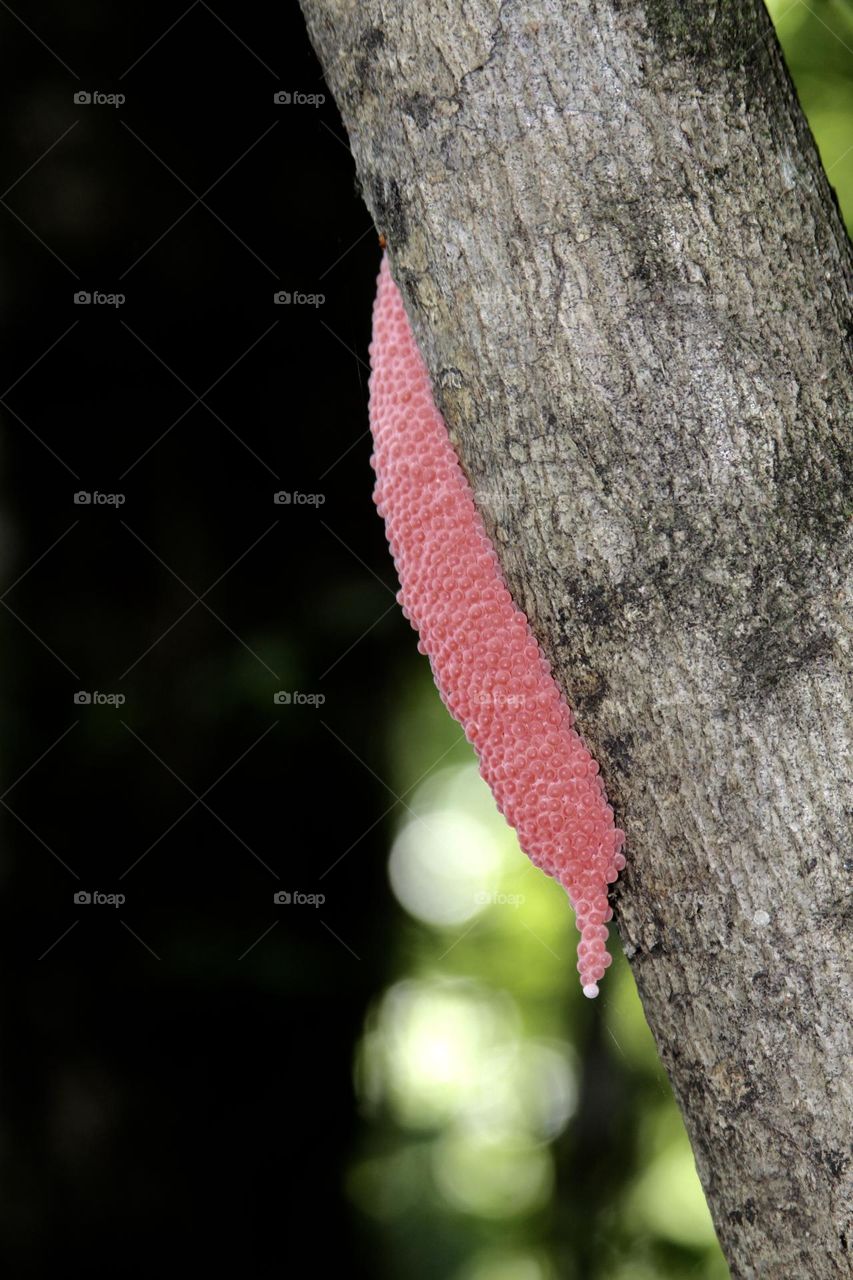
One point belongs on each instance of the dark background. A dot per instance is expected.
(176, 1073)
(194, 1102)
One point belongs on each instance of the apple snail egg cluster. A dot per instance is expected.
(487, 664)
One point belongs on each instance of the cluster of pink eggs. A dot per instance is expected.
(486, 662)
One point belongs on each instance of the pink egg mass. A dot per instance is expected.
(486, 662)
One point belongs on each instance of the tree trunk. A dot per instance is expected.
(632, 286)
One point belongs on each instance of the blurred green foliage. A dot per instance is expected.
(514, 1131)
(817, 39)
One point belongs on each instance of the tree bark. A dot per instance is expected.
(630, 281)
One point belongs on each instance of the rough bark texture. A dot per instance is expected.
(629, 277)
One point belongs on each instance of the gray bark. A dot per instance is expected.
(629, 278)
